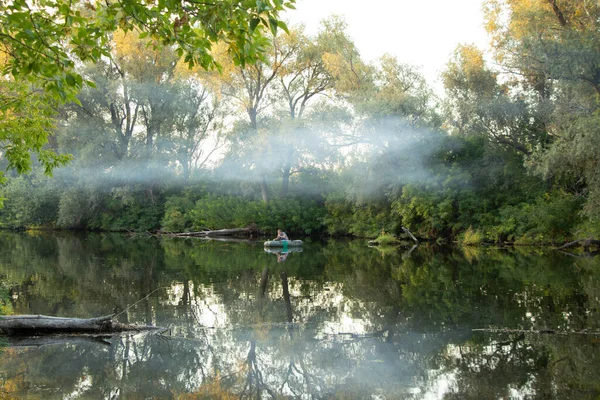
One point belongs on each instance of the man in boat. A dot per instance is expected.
(281, 235)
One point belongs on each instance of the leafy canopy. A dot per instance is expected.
(42, 41)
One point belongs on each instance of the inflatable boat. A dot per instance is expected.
(283, 243)
(278, 250)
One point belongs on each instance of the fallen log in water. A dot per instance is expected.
(585, 243)
(22, 325)
(409, 233)
(217, 233)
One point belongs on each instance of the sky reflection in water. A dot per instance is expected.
(338, 320)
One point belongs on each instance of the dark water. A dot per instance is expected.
(338, 320)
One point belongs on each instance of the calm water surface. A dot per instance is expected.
(337, 320)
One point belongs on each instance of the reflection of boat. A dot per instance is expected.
(283, 243)
(280, 250)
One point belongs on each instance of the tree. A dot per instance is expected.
(276, 96)
(250, 87)
(41, 42)
(396, 127)
(477, 105)
(303, 77)
(551, 47)
(198, 114)
(144, 106)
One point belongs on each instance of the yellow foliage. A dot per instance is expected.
(143, 58)
(334, 63)
(4, 56)
(473, 57)
(214, 80)
(523, 18)
(472, 237)
(348, 75)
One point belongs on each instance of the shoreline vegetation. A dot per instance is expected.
(313, 139)
(405, 238)
(186, 215)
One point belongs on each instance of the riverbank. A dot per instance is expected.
(553, 220)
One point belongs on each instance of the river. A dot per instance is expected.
(337, 320)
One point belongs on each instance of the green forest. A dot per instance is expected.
(176, 116)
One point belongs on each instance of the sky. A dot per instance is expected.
(423, 33)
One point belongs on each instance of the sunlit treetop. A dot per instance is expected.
(513, 23)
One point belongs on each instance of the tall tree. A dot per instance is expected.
(478, 105)
(303, 77)
(198, 119)
(141, 107)
(251, 88)
(552, 47)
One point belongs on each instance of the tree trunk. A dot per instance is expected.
(264, 189)
(285, 181)
(409, 233)
(44, 324)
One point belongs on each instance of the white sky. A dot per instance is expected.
(423, 33)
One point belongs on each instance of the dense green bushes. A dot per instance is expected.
(41, 202)
(344, 217)
(219, 211)
(550, 219)
(446, 210)
(30, 201)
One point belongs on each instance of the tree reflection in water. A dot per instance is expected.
(338, 320)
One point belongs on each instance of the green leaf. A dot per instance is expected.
(70, 79)
(283, 26)
(273, 25)
(253, 24)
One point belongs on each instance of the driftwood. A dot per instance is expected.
(405, 230)
(585, 243)
(217, 233)
(409, 233)
(24, 325)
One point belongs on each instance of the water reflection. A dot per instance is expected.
(282, 254)
(338, 320)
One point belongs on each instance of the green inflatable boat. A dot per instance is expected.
(283, 243)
